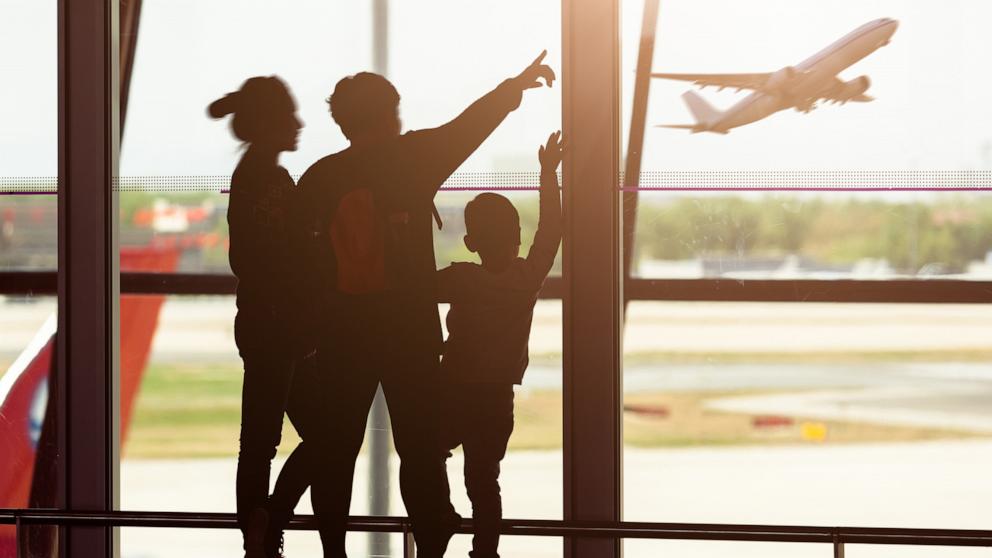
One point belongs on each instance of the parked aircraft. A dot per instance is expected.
(28, 437)
(800, 87)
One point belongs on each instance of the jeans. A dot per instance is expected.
(479, 417)
(351, 365)
(268, 375)
(295, 476)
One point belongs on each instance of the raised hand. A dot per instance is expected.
(530, 77)
(550, 153)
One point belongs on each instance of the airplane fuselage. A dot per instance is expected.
(813, 75)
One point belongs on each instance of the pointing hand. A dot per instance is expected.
(530, 77)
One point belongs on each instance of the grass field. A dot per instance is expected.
(194, 411)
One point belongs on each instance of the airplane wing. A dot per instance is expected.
(837, 92)
(729, 81)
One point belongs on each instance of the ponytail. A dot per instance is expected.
(224, 106)
(251, 106)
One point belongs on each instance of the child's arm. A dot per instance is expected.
(542, 252)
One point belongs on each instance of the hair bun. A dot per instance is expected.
(223, 106)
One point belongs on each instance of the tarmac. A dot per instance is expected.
(927, 484)
(922, 484)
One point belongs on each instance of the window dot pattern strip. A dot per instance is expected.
(672, 181)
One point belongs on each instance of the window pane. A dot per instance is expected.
(718, 549)
(28, 242)
(222, 543)
(186, 374)
(28, 431)
(169, 134)
(845, 192)
(915, 123)
(175, 169)
(29, 142)
(799, 235)
(807, 413)
(815, 414)
(526, 547)
(883, 551)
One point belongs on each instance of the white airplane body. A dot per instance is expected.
(799, 87)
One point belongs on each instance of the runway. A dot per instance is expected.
(933, 484)
(201, 329)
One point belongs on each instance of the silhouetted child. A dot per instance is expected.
(489, 323)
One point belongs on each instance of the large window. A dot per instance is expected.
(806, 413)
(783, 325)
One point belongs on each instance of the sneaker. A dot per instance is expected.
(274, 547)
(273, 540)
(449, 526)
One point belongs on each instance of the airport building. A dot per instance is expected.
(766, 332)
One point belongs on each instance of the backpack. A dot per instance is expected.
(358, 231)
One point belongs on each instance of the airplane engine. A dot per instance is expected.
(779, 82)
(853, 89)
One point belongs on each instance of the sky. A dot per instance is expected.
(930, 82)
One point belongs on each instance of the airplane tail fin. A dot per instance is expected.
(702, 111)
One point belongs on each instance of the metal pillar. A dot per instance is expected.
(87, 343)
(130, 18)
(379, 431)
(592, 257)
(635, 142)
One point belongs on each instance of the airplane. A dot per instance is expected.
(800, 87)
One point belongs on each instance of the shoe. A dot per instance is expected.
(273, 539)
(449, 526)
(437, 545)
(274, 547)
(258, 523)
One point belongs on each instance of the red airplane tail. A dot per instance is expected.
(26, 472)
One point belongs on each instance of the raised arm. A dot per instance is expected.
(548, 236)
(438, 152)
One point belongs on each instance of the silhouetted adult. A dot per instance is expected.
(269, 299)
(372, 203)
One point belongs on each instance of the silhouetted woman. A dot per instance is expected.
(267, 326)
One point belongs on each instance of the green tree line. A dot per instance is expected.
(951, 231)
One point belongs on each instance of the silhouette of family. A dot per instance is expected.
(338, 294)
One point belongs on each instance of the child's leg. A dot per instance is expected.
(485, 446)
